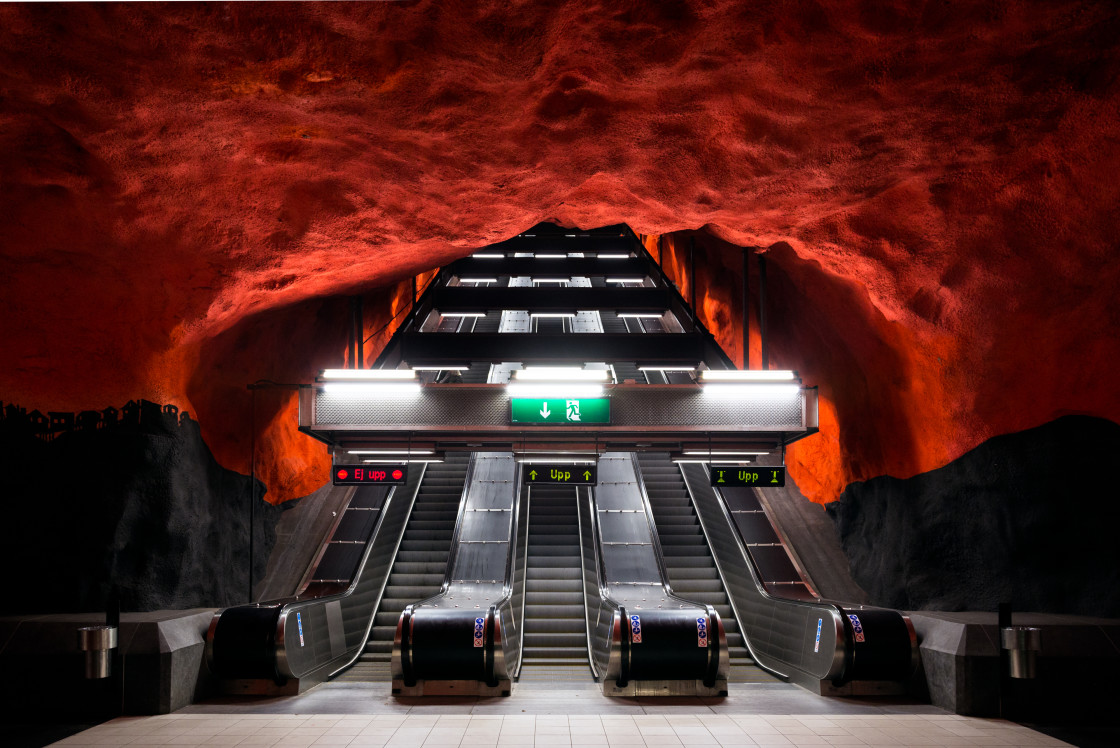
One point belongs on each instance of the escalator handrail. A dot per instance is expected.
(514, 668)
(605, 601)
(287, 609)
(744, 554)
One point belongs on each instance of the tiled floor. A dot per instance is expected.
(365, 715)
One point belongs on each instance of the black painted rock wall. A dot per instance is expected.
(142, 506)
(1031, 517)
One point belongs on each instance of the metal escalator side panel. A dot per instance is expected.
(599, 610)
(792, 639)
(308, 634)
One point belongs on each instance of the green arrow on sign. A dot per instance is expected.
(532, 475)
(587, 475)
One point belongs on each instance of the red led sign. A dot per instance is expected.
(364, 475)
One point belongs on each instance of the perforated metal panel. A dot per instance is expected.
(631, 406)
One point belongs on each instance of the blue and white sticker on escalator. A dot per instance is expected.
(299, 625)
(857, 627)
(635, 629)
(701, 631)
(479, 629)
(817, 644)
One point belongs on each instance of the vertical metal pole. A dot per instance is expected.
(252, 480)
(762, 310)
(692, 276)
(746, 310)
(351, 346)
(360, 330)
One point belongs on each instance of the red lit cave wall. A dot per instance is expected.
(189, 190)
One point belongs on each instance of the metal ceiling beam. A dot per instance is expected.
(466, 298)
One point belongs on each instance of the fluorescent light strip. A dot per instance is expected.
(462, 314)
(625, 280)
(488, 256)
(372, 389)
(478, 280)
(400, 462)
(552, 280)
(748, 375)
(554, 390)
(365, 375)
(563, 459)
(640, 315)
(715, 452)
(694, 460)
(667, 368)
(391, 452)
(613, 257)
(560, 373)
(760, 390)
(455, 367)
(551, 315)
(551, 257)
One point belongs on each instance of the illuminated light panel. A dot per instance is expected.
(449, 367)
(560, 373)
(722, 454)
(748, 375)
(625, 280)
(551, 315)
(759, 390)
(371, 389)
(488, 256)
(567, 459)
(551, 257)
(682, 367)
(365, 375)
(640, 315)
(554, 390)
(390, 452)
(462, 314)
(613, 257)
(478, 280)
(699, 461)
(401, 462)
(552, 280)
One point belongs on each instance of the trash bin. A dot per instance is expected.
(1023, 644)
(98, 642)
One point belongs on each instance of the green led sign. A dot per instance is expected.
(761, 476)
(570, 475)
(574, 411)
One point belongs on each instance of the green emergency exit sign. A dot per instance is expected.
(569, 411)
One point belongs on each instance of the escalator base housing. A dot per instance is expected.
(451, 688)
(664, 688)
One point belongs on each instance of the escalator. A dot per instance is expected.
(421, 561)
(555, 646)
(689, 564)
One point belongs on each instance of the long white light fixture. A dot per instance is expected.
(748, 375)
(554, 390)
(402, 461)
(390, 452)
(640, 315)
(551, 315)
(561, 457)
(560, 374)
(625, 280)
(367, 375)
(760, 390)
(697, 460)
(478, 280)
(551, 257)
(437, 367)
(370, 382)
(488, 256)
(722, 453)
(613, 257)
(462, 314)
(551, 280)
(668, 367)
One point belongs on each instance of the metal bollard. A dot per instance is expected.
(1023, 644)
(98, 642)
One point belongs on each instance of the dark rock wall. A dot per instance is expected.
(146, 509)
(1030, 517)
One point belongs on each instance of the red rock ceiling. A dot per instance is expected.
(186, 187)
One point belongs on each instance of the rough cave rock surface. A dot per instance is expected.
(144, 509)
(1028, 518)
(934, 182)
